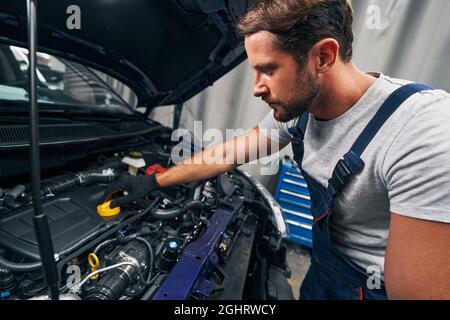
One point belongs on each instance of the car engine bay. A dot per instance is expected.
(215, 239)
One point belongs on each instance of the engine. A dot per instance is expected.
(214, 239)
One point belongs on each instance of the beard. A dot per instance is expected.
(308, 90)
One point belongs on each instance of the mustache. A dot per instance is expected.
(273, 102)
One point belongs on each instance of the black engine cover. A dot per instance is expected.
(71, 218)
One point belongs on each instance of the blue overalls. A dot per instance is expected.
(331, 275)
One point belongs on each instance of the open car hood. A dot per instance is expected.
(165, 50)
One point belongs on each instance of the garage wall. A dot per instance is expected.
(407, 39)
(411, 42)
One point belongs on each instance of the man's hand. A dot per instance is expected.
(136, 188)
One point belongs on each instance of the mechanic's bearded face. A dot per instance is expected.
(278, 79)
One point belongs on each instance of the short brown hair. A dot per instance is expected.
(300, 24)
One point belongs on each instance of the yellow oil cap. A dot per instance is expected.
(105, 210)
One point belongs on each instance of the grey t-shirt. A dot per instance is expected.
(407, 167)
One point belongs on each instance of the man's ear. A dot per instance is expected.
(325, 53)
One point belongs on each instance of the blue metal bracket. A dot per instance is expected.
(196, 262)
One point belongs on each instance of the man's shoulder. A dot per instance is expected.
(428, 104)
(427, 95)
(424, 124)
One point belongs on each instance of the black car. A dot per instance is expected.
(96, 86)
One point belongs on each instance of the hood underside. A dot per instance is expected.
(165, 50)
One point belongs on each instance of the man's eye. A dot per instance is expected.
(268, 72)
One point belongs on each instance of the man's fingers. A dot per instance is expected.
(119, 202)
(115, 204)
(110, 191)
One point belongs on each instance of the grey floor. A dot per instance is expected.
(299, 260)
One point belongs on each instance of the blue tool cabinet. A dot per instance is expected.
(293, 196)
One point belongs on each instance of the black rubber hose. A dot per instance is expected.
(103, 244)
(59, 184)
(20, 267)
(167, 214)
(70, 180)
(90, 178)
(155, 282)
(150, 259)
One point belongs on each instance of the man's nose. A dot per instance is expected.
(260, 90)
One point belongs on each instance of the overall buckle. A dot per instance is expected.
(341, 176)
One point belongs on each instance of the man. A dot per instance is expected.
(380, 180)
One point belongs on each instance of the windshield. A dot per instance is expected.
(62, 83)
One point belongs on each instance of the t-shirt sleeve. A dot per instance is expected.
(276, 130)
(417, 166)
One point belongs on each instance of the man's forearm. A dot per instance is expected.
(200, 167)
(220, 158)
(186, 173)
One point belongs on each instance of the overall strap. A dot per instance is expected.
(298, 135)
(352, 163)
